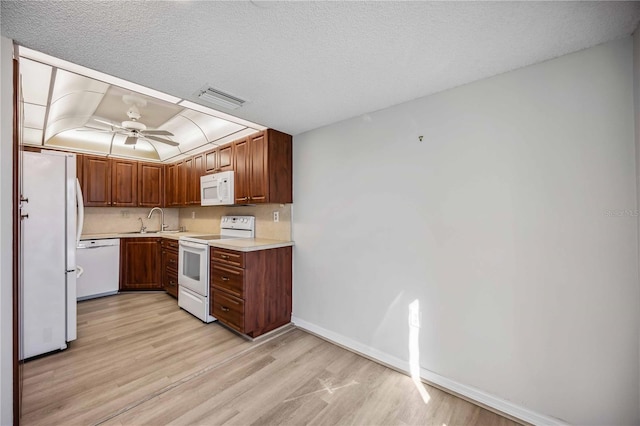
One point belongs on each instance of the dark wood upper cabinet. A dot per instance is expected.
(180, 190)
(258, 169)
(96, 181)
(170, 185)
(241, 167)
(219, 159)
(225, 158)
(150, 184)
(211, 161)
(118, 182)
(188, 184)
(124, 183)
(140, 264)
(197, 170)
(264, 166)
(183, 181)
(262, 163)
(279, 167)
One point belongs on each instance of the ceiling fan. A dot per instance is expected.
(133, 128)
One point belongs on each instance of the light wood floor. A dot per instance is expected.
(141, 360)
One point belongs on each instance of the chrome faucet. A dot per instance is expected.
(162, 226)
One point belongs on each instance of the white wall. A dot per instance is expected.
(6, 231)
(520, 240)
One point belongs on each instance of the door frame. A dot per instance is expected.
(17, 259)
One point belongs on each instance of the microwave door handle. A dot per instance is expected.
(223, 189)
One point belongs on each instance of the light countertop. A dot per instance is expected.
(170, 235)
(250, 244)
(240, 244)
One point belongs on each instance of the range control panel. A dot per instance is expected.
(238, 222)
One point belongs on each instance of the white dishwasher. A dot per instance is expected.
(98, 265)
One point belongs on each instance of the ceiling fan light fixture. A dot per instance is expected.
(216, 97)
(134, 125)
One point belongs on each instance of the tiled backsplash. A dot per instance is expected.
(99, 220)
(207, 219)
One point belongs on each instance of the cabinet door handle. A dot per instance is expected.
(224, 256)
(224, 309)
(224, 278)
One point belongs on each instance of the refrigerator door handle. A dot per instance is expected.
(80, 210)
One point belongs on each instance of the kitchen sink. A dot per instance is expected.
(140, 233)
(150, 233)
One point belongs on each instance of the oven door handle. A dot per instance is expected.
(202, 247)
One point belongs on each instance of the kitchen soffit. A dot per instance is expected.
(63, 107)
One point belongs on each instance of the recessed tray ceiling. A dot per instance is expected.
(67, 109)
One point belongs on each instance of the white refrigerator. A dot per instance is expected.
(52, 222)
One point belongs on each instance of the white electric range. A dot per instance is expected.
(193, 264)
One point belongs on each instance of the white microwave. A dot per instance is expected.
(217, 189)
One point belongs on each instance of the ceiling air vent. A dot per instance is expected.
(216, 97)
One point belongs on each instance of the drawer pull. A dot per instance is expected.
(172, 283)
(224, 278)
(224, 256)
(224, 309)
(172, 261)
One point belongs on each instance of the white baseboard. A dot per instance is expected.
(473, 394)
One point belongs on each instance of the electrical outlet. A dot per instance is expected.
(125, 213)
(276, 216)
(193, 215)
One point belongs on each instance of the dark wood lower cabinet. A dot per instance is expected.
(140, 267)
(251, 291)
(170, 266)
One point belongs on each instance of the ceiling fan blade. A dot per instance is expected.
(167, 141)
(156, 132)
(94, 130)
(131, 140)
(117, 126)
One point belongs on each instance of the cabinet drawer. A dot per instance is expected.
(170, 244)
(228, 257)
(170, 259)
(170, 282)
(228, 279)
(228, 310)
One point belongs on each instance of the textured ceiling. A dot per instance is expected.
(302, 65)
